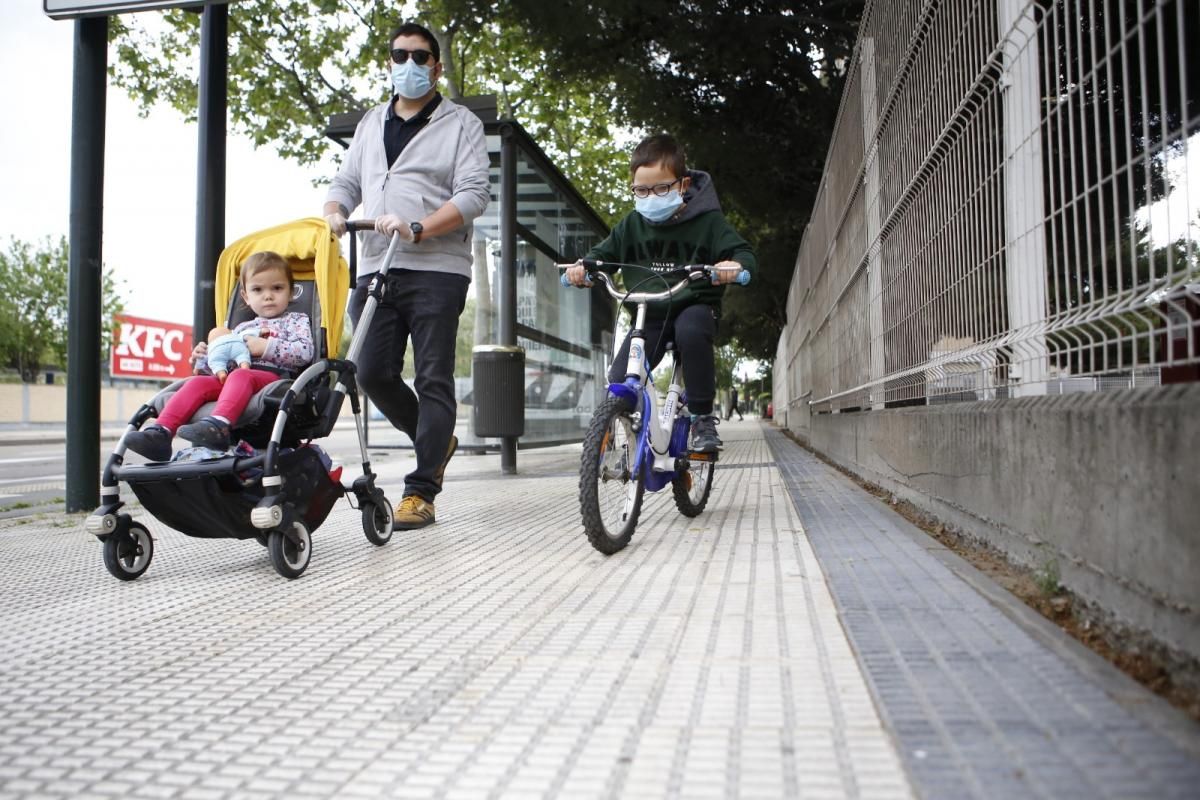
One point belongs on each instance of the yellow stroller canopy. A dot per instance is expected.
(312, 250)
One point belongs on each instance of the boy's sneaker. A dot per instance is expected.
(704, 434)
(208, 432)
(412, 513)
(441, 471)
(153, 442)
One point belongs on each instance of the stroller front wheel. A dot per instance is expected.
(290, 553)
(128, 550)
(377, 522)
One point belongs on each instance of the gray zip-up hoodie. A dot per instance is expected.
(447, 160)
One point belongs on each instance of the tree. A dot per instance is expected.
(752, 89)
(33, 306)
(294, 63)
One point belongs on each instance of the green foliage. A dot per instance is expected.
(1047, 577)
(33, 306)
(725, 361)
(294, 63)
(752, 90)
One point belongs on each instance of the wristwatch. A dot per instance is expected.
(417, 229)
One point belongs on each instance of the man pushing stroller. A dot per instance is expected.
(418, 165)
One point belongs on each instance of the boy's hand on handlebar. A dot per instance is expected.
(337, 223)
(725, 272)
(577, 275)
(390, 223)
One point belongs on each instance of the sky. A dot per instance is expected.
(149, 237)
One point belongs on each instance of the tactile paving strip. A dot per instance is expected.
(494, 654)
(979, 708)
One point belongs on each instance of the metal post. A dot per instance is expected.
(85, 262)
(1024, 214)
(210, 163)
(871, 201)
(508, 269)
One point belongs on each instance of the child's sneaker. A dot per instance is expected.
(153, 442)
(208, 432)
(704, 434)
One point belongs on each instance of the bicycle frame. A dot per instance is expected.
(662, 434)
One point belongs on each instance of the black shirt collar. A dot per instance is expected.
(425, 113)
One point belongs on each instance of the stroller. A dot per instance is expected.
(285, 490)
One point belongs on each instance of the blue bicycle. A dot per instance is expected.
(632, 445)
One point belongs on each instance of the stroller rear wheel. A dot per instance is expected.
(128, 550)
(290, 554)
(377, 522)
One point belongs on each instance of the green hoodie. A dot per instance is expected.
(697, 234)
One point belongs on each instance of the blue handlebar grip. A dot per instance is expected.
(563, 280)
(743, 277)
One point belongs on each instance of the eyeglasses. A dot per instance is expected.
(660, 189)
(420, 56)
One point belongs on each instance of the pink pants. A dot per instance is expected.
(232, 396)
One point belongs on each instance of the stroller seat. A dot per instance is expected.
(256, 421)
(307, 247)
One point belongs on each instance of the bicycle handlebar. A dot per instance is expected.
(694, 272)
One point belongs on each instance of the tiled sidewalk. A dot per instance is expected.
(494, 654)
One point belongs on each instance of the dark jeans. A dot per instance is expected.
(425, 306)
(692, 330)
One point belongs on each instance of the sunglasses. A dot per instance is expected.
(659, 189)
(421, 57)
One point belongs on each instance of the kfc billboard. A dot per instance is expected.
(150, 348)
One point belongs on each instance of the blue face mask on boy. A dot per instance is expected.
(658, 209)
(411, 81)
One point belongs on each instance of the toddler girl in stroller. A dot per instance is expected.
(284, 490)
(277, 339)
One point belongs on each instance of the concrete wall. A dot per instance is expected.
(36, 403)
(40, 403)
(1106, 484)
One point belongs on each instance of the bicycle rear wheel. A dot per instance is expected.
(610, 496)
(691, 489)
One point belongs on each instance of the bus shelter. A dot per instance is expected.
(536, 220)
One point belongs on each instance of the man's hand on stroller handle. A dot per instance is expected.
(389, 224)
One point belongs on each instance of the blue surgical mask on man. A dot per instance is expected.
(411, 81)
(658, 209)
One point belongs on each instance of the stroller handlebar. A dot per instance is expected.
(360, 225)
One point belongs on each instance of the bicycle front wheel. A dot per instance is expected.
(609, 495)
(691, 489)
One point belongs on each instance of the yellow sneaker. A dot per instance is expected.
(412, 513)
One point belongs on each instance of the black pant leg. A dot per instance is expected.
(695, 330)
(431, 303)
(655, 342)
(382, 358)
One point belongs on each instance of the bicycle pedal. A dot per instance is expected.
(694, 456)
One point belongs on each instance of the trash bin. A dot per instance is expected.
(498, 389)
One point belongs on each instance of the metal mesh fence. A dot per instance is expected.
(1005, 208)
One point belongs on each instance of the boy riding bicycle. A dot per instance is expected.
(676, 222)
